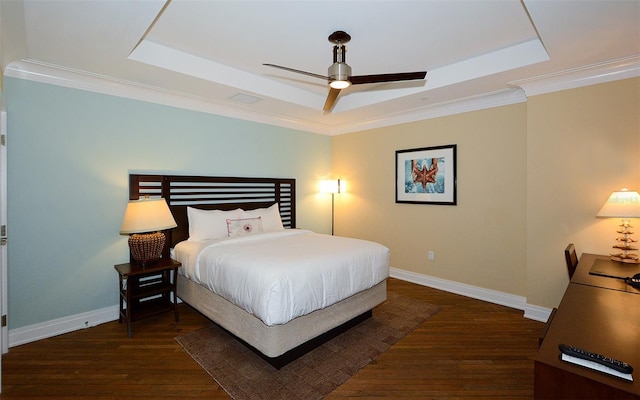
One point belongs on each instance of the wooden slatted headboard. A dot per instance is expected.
(221, 193)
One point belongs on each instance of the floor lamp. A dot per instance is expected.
(331, 186)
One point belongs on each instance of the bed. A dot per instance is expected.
(279, 339)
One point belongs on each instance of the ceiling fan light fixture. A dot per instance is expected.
(339, 73)
(340, 84)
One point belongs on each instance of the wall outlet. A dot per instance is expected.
(431, 255)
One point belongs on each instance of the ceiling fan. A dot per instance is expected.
(339, 75)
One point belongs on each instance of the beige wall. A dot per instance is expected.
(531, 177)
(481, 240)
(582, 144)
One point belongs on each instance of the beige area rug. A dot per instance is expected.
(246, 376)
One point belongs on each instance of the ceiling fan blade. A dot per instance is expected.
(297, 71)
(331, 99)
(402, 76)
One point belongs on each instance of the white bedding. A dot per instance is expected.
(278, 276)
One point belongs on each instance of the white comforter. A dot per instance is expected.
(278, 276)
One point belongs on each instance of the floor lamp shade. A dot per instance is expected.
(624, 204)
(330, 186)
(144, 220)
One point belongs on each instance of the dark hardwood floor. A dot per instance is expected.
(469, 350)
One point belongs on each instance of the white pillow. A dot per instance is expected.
(209, 224)
(244, 226)
(271, 220)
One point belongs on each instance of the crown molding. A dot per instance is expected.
(521, 89)
(81, 80)
(458, 106)
(623, 68)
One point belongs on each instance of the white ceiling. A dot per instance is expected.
(201, 54)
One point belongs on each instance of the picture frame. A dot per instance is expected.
(427, 175)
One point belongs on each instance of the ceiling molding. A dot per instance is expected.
(54, 75)
(458, 106)
(605, 72)
(623, 68)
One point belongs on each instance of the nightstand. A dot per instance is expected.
(147, 291)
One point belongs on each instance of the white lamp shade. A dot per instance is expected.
(622, 204)
(147, 215)
(330, 186)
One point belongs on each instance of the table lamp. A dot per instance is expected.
(330, 186)
(624, 204)
(144, 220)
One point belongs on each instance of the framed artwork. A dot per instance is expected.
(426, 175)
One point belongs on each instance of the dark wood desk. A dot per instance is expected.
(598, 314)
(582, 275)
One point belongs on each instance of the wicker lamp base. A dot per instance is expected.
(146, 248)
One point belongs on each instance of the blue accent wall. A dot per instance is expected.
(69, 155)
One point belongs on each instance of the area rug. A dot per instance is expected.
(246, 376)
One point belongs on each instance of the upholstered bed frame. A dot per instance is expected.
(278, 344)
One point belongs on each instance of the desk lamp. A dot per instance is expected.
(333, 187)
(144, 219)
(624, 204)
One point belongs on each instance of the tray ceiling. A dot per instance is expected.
(209, 55)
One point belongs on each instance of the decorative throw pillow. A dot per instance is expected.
(244, 226)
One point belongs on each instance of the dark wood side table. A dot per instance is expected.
(147, 291)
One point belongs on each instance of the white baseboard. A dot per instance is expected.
(492, 296)
(88, 319)
(537, 313)
(59, 326)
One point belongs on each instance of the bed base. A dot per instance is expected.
(295, 353)
(281, 344)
